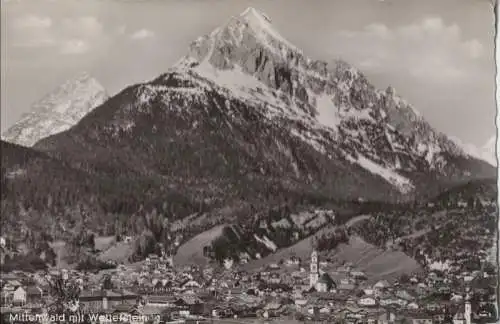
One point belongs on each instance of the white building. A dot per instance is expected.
(468, 311)
(19, 296)
(367, 301)
(314, 271)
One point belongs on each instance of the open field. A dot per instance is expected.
(191, 252)
(376, 263)
(118, 252)
(301, 249)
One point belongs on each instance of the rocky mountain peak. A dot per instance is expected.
(249, 56)
(390, 91)
(58, 110)
(247, 42)
(244, 90)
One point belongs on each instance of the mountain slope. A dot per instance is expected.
(489, 149)
(487, 152)
(245, 116)
(245, 103)
(57, 111)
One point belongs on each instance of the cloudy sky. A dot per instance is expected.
(437, 54)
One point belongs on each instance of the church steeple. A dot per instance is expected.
(314, 271)
(468, 309)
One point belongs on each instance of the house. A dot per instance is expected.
(325, 310)
(9, 277)
(325, 283)
(456, 298)
(352, 313)
(368, 292)
(358, 275)
(301, 302)
(6, 297)
(422, 319)
(386, 317)
(98, 300)
(190, 284)
(381, 285)
(403, 294)
(412, 306)
(274, 278)
(367, 302)
(346, 287)
(34, 294)
(292, 261)
(192, 304)
(274, 266)
(459, 317)
(159, 301)
(244, 258)
(228, 263)
(347, 281)
(19, 296)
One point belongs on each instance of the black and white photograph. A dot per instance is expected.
(249, 162)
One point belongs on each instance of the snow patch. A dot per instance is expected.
(267, 242)
(403, 184)
(327, 113)
(261, 25)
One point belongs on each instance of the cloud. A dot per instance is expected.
(428, 49)
(33, 21)
(142, 34)
(120, 30)
(87, 27)
(74, 46)
(474, 48)
(68, 36)
(378, 30)
(36, 42)
(31, 31)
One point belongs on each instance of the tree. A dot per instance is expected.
(404, 278)
(448, 317)
(66, 294)
(107, 283)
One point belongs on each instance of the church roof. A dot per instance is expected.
(325, 278)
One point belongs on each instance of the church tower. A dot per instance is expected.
(314, 271)
(468, 310)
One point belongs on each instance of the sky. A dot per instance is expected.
(438, 55)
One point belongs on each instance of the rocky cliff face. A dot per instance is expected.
(375, 129)
(244, 86)
(58, 111)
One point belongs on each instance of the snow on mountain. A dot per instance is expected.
(58, 111)
(486, 153)
(248, 57)
(489, 150)
(244, 100)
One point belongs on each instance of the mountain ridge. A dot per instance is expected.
(334, 110)
(486, 152)
(244, 117)
(58, 110)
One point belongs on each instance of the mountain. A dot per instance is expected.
(483, 189)
(246, 102)
(244, 122)
(57, 111)
(487, 152)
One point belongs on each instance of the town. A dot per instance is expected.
(312, 290)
